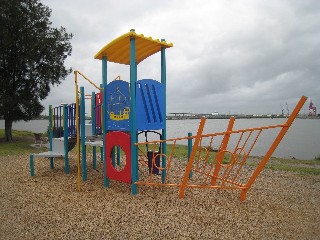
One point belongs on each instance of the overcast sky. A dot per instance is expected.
(228, 56)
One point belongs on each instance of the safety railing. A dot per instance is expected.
(77, 113)
(57, 121)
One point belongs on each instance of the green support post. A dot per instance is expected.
(118, 155)
(31, 166)
(50, 135)
(94, 157)
(65, 138)
(133, 129)
(102, 125)
(101, 153)
(189, 150)
(83, 135)
(113, 156)
(104, 112)
(93, 122)
(164, 130)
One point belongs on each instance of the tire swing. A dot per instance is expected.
(121, 139)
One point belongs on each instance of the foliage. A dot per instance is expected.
(32, 55)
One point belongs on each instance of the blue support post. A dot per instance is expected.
(51, 163)
(133, 129)
(65, 138)
(83, 135)
(104, 112)
(164, 130)
(93, 122)
(102, 125)
(101, 153)
(31, 166)
(50, 135)
(189, 150)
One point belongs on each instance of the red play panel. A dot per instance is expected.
(121, 139)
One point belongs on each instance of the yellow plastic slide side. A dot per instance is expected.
(118, 50)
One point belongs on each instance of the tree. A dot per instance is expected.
(32, 59)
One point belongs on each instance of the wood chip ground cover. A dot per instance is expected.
(280, 205)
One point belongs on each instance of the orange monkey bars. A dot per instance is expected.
(228, 167)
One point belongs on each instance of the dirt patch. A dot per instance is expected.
(280, 205)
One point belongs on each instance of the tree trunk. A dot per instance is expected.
(8, 130)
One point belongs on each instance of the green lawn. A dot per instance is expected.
(20, 144)
(23, 140)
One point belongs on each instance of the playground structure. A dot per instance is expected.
(122, 111)
(62, 130)
(128, 109)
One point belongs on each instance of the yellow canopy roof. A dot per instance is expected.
(118, 50)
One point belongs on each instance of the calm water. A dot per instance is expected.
(302, 141)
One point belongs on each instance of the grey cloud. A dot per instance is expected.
(248, 56)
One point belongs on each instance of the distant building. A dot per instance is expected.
(312, 109)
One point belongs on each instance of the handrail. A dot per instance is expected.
(86, 78)
(76, 72)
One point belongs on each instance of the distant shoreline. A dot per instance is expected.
(236, 116)
(213, 117)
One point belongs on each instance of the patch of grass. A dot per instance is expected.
(16, 148)
(16, 134)
(23, 140)
(295, 161)
(20, 144)
(303, 167)
(181, 153)
(311, 167)
(296, 169)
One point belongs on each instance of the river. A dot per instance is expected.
(300, 142)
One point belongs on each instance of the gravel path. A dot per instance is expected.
(280, 205)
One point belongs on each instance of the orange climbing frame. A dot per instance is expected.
(227, 167)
